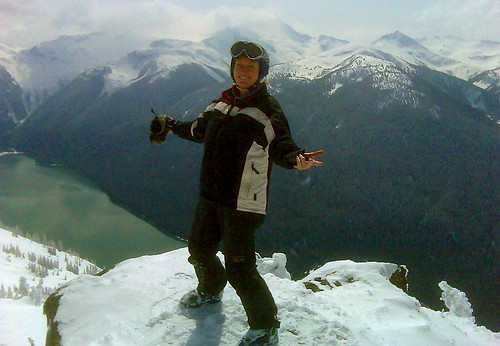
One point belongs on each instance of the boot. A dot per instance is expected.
(260, 337)
(194, 299)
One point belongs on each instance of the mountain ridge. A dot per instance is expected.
(64, 58)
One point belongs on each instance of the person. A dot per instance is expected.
(244, 133)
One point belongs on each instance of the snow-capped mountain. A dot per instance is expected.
(161, 59)
(482, 55)
(136, 303)
(44, 68)
(407, 48)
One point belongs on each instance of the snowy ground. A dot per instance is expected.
(136, 303)
(21, 317)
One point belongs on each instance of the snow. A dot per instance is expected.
(33, 322)
(136, 303)
(456, 301)
(44, 68)
(160, 60)
(13, 152)
(12, 269)
(483, 54)
(335, 87)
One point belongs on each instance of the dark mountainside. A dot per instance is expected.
(411, 174)
(11, 103)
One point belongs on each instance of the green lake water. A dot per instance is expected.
(63, 206)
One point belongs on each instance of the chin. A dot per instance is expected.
(245, 84)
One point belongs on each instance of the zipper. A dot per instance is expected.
(255, 169)
(250, 183)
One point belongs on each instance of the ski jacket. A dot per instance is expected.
(242, 136)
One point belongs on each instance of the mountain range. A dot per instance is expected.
(410, 128)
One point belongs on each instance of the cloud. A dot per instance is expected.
(39, 20)
(42, 20)
(29, 22)
(473, 19)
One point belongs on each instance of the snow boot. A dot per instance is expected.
(194, 299)
(260, 337)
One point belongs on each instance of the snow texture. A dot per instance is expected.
(456, 301)
(29, 272)
(136, 303)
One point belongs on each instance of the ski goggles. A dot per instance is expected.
(251, 50)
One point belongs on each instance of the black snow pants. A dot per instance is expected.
(212, 224)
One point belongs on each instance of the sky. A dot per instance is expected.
(25, 23)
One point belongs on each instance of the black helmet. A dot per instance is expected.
(252, 51)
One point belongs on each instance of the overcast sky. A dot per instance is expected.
(24, 23)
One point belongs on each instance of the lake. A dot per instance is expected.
(57, 203)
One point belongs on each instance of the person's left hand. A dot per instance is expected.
(306, 161)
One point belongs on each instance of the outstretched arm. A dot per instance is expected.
(306, 160)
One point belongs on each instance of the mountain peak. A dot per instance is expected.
(328, 42)
(399, 39)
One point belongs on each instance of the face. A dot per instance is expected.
(246, 72)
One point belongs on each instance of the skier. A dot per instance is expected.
(244, 132)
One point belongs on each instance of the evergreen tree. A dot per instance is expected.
(23, 286)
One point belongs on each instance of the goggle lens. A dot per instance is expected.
(251, 50)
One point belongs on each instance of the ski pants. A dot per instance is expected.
(212, 224)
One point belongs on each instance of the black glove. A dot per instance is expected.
(160, 127)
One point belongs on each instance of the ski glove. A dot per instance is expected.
(160, 127)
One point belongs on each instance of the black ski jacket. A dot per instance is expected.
(243, 136)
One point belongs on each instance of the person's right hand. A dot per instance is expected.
(160, 128)
(161, 123)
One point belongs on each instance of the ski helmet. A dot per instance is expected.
(252, 51)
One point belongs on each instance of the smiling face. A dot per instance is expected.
(246, 72)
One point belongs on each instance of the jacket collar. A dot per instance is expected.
(234, 94)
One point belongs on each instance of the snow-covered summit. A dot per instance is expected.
(42, 69)
(136, 303)
(160, 59)
(344, 303)
(400, 39)
(474, 57)
(405, 47)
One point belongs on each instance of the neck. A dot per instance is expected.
(243, 91)
(246, 91)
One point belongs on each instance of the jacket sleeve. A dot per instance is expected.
(283, 150)
(194, 130)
